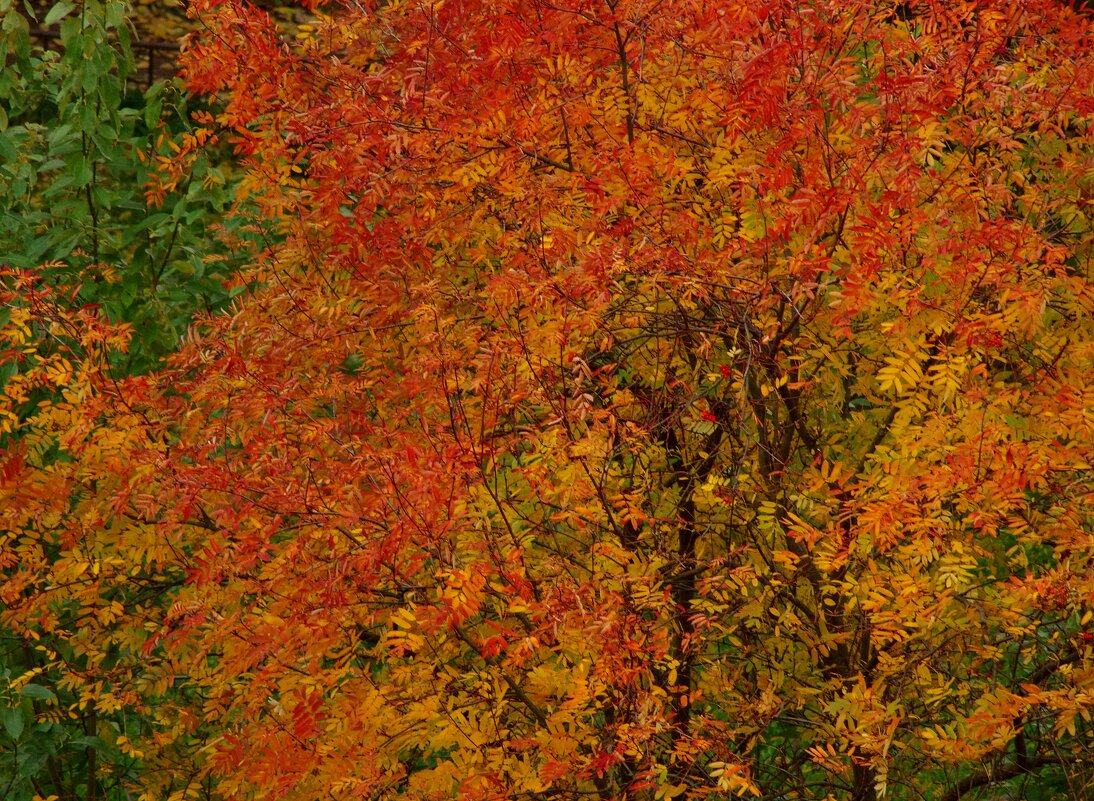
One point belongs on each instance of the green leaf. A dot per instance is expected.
(58, 12)
(8, 153)
(60, 135)
(38, 693)
(70, 29)
(37, 247)
(352, 364)
(80, 169)
(14, 23)
(13, 722)
(115, 14)
(89, 118)
(96, 743)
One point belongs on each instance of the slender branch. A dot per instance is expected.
(1002, 774)
(533, 707)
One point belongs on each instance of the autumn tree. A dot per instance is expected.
(647, 399)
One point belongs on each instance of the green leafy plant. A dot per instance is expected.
(80, 146)
(86, 207)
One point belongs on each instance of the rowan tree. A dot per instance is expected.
(647, 400)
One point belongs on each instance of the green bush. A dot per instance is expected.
(81, 149)
(79, 144)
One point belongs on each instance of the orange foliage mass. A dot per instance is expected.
(636, 399)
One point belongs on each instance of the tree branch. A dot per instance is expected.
(1005, 773)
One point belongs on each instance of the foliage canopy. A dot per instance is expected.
(643, 399)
